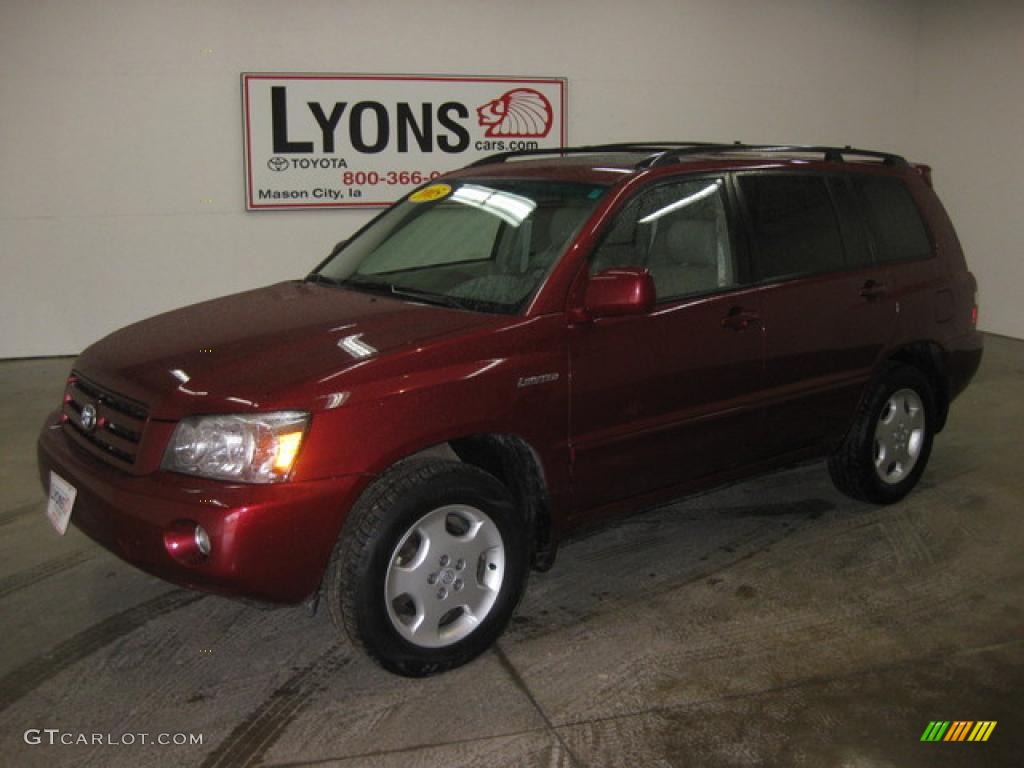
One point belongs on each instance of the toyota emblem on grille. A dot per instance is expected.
(88, 417)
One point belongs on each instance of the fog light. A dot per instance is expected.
(188, 542)
(202, 541)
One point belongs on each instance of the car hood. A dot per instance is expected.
(258, 349)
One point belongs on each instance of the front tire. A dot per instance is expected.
(886, 450)
(429, 567)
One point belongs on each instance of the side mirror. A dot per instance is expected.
(619, 291)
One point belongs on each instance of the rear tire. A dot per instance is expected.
(429, 567)
(886, 450)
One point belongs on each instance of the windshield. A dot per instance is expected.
(479, 245)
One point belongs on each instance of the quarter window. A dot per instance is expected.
(894, 219)
(794, 225)
(679, 232)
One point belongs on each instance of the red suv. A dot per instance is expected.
(527, 345)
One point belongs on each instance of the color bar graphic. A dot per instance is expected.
(982, 730)
(958, 730)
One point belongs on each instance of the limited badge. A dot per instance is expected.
(433, 192)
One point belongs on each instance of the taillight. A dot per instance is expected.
(974, 316)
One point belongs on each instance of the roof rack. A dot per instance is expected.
(666, 152)
(594, 149)
(829, 154)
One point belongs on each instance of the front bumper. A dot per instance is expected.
(269, 542)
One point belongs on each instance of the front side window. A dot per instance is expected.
(679, 232)
(894, 219)
(483, 245)
(794, 225)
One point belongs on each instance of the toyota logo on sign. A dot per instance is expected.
(277, 163)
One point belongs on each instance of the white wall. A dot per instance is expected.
(115, 126)
(971, 127)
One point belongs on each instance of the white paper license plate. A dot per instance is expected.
(62, 498)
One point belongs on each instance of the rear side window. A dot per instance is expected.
(894, 219)
(794, 225)
(851, 223)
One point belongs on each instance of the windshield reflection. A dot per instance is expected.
(480, 245)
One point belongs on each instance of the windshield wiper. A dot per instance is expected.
(360, 284)
(384, 287)
(316, 277)
(429, 298)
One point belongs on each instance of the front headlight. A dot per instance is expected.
(248, 448)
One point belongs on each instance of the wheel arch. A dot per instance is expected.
(929, 358)
(517, 465)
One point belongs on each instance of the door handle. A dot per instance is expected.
(739, 319)
(873, 289)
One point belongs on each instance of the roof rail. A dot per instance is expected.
(653, 147)
(829, 154)
(666, 152)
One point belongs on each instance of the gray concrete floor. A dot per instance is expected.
(774, 622)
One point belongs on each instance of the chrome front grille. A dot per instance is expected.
(109, 423)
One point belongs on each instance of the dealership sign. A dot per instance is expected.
(337, 141)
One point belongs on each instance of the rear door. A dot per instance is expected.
(668, 397)
(826, 307)
(917, 280)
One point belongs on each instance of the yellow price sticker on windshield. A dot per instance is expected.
(433, 192)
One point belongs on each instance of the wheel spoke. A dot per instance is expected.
(475, 596)
(428, 619)
(916, 418)
(475, 526)
(469, 619)
(886, 426)
(434, 531)
(881, 455)
(407, 581)
(914, 444)
(899, 402)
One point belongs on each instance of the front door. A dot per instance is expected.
(669, 397)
